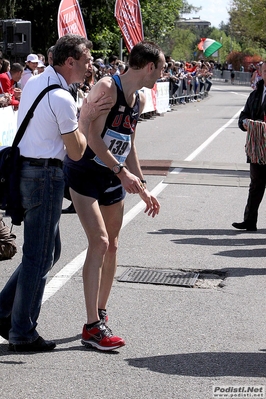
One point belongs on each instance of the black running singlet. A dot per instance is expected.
(120, 125)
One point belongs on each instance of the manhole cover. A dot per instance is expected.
(163, 277)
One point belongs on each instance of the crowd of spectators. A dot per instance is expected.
(184, 78)
(187, 80)
(36, 63)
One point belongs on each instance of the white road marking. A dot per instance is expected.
(65, 274)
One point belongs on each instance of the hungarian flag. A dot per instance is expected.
(70, 19)
(128, 16)
(209, 46)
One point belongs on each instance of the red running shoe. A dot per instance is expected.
(101, 337)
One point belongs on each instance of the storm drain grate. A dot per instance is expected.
(163, 277)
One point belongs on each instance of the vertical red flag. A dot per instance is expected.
(128, 16)
(70, 19)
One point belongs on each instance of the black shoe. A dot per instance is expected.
(245, 226)
(40, 345)
(70, 209)
(5, 326)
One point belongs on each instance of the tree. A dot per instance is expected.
(247, 21)
(183, 44)
(159, 17)
(188, 8)
(7, 10)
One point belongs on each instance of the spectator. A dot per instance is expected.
(40, 67)
(7, 83)
(208, 76)
(5, 65)
(90, 79)
(50, 55)
(113, 59)
(1, 60)
(256, 75)
(5, 100)
(232, 75)
(41, 57)
(113, 70)
(121, 68)
(205, 75)
(52, 131)
(113, 63)
(8, 247)
(172, 77)
(30, 69)
(101, 69)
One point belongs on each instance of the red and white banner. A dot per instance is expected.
(70, 19)
(128, 16)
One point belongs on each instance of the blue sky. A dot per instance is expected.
(214, 11)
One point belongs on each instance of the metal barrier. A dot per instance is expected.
(193, 89)
(188, 90)
(241, 78)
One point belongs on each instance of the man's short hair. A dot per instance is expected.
(16, 67)
(50, 50)
(112, 58)
(69, 46)
(143, 53)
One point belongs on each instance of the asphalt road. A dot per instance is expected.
(181, 342)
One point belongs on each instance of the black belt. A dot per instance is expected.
(44, 162)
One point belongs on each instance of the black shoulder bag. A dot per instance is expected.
(10, 164)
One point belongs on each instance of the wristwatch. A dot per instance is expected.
(117, 168)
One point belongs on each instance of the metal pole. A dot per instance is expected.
(121, 49)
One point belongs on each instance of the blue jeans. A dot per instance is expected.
(42, 190)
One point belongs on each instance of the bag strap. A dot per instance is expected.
(30, 114)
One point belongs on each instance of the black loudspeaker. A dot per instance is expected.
(15, 37)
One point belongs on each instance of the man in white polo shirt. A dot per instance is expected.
(51, 133)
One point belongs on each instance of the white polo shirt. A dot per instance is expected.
(54, 115)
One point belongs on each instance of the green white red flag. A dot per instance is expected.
(209, 46)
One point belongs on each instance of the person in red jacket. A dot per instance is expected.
(7, 83)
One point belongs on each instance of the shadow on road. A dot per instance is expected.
(207, 364)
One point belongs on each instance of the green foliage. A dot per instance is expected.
(179, 44)
(101, 26)
(159, 17)
(188, 8)
(229, 44)
(7, 10)
(248, 21)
